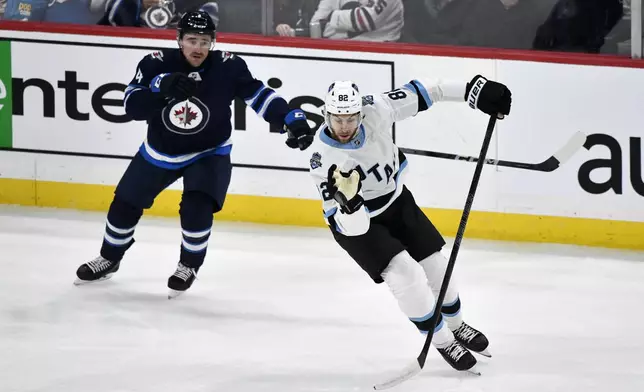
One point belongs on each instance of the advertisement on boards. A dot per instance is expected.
(5, 94)
(603, 179)
(71, 101)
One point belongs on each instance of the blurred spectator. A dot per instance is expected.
(26, 10)
(578, 25)
(58, 11)
(592, 26)
(520, 22)
(132, 13)
(241, 16)
(157, 14)
(363, 20)
(480, 23)
(296, 13)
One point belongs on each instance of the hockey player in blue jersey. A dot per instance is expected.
(185, 96)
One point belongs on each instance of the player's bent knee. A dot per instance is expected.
(134, 197)
(122, 209)
(196, 206)
(436, 263)
(403, 274)
(407, 282)
(199, 199)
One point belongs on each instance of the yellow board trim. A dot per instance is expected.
(301, 212)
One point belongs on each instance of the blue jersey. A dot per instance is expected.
(74, 11)
(59, 11)
(26, 10)
(134, 13)
(179, 132)
(122, 13)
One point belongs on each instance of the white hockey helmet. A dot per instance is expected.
(343, 97)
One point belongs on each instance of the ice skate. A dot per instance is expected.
(459, 357)
(472, 339)
(181, 280)
(96, 270)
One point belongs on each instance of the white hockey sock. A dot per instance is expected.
(435, 266)
(454, 320)
(442, 334)
(408, 283)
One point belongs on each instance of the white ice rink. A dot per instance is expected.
(284, 309)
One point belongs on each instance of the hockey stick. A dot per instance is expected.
(551, 164)
(417, 366)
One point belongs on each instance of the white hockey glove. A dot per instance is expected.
(344, 188)
(490, 97)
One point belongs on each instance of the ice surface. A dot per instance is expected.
(284, 309)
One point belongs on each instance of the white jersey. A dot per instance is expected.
(363, 20)
(372, 151)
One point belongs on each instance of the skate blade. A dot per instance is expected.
(473, 370)
(484, 353)
(81, 282)
(174, 293)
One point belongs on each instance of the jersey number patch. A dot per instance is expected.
(396, 95)
(139, 76)
(324, 189)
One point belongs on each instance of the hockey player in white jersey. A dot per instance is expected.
(373, 216)
(364, 20)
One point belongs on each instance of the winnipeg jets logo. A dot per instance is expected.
(157, 17)
(186, 117)
(157, 55)
(195, 76)
(225, 56)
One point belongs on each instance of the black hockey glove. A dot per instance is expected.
(490, 97)
(175, 85)
(299, 133)
(344, 188)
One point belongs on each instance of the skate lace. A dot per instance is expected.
(466, 333)
(455, 351)
(184, 273)
(99, 264)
